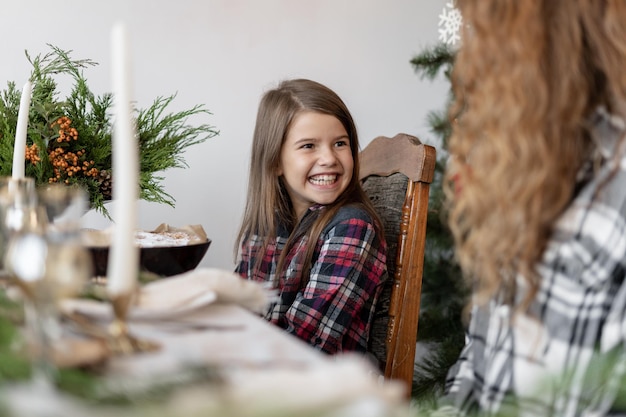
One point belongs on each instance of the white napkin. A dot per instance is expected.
(182, 294)
(179, 290)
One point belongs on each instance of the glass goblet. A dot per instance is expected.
(18, 211)
(22, 259)
(49, 263)
(68, 264)
(25, 262)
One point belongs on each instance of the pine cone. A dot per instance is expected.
(106, 184)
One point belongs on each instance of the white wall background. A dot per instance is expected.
(225, 54)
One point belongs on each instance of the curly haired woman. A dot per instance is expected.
(537, 197)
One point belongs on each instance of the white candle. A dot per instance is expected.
(19, 149)
(123, 262)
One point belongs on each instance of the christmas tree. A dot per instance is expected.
(444, 294)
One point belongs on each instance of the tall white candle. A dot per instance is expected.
(123, 262)
(19, 149)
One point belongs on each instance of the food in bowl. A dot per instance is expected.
(165, 251)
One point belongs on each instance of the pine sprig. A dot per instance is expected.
(164, 136)
(55, 62)
(440, 126)
(429, 63)
(9, 105)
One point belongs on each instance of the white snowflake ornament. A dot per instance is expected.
(450, 21)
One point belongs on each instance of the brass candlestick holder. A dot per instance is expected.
(121, 342)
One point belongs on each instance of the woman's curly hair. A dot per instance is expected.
(526, 79)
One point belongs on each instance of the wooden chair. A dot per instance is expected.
(396, 174)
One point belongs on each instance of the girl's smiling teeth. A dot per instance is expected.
(323, 179)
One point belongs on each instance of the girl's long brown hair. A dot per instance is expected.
(526, 79)
(268, 204)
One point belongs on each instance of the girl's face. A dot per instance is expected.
(315, 160)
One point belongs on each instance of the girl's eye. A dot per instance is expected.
(307, 146)
(342, 143)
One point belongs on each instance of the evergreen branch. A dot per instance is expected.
(431, 373)
(152, 191)
(440, 125)
(429, 63)
(57, 61)
(163, 138)
(9, 106)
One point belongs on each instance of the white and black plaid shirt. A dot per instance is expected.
(550, 361)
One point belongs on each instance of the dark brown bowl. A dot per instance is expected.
(163, 261)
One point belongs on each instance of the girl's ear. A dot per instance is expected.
(278, 170)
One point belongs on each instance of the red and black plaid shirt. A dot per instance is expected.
(334, 310)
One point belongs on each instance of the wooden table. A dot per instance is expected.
(262, 371)
(222, 334)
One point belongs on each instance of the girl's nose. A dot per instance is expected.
(327, 156)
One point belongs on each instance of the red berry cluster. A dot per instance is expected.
(67, 164)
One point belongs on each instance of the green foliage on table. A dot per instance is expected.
(86, 383)
(69, 139)
(444, 292)
(15, 365)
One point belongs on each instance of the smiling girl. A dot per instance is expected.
(308, 228)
